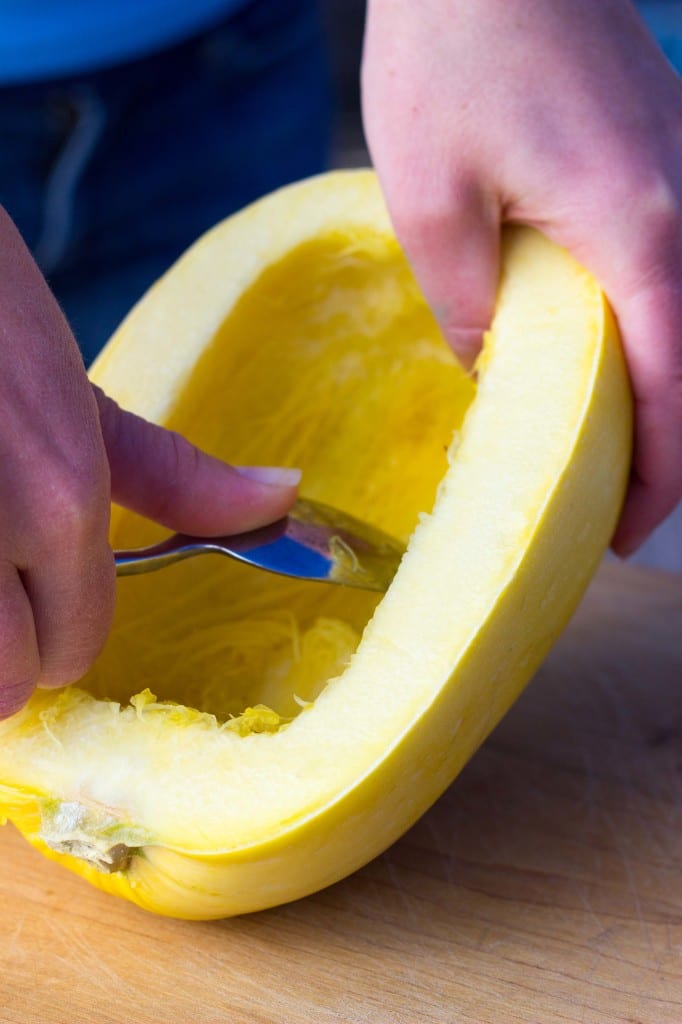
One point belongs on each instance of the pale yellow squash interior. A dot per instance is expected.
(330, 362)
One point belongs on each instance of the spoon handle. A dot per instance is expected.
(314, 542)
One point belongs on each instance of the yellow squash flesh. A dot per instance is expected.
(244, 740)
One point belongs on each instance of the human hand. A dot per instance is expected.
(65, 451)
(561, 114)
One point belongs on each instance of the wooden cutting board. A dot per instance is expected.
(545, 886)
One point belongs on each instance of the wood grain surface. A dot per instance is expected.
(545, 886)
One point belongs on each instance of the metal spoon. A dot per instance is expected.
(313, 542)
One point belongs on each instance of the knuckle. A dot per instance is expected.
(648, 206)
(178, 468)
(75, 504)
(421, 215)
(68, 655)
(651, 199)
(439, 215)
(420, 191)
(419, 211)
(182, 457)
(661, 208)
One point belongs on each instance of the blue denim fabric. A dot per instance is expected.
(664, 21)
(110, 177)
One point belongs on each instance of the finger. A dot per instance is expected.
(159, 474)
(450, 234)
(72, 595)
(654, 350)
(19, 659)
(639, 264)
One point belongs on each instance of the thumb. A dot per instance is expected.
(160, 475)
(450, 234)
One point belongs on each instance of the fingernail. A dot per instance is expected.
(274, 476)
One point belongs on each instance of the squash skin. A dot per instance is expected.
(553, 566)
